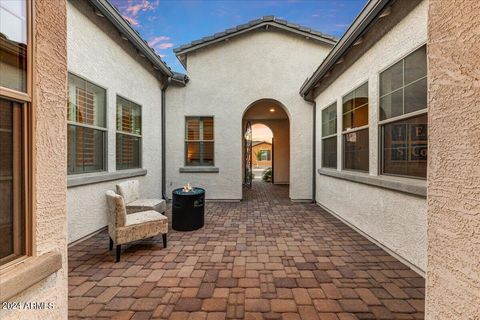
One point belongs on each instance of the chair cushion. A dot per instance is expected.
(147, 204)
(141, 225)
(145, 216)
(129, 190)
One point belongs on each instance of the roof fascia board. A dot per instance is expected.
(257, 26)
(368, 14)
(112, 15)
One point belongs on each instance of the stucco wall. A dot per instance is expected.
(396, 220)
(224, 80)
(453, 275)
(50, 145)
(98, 54)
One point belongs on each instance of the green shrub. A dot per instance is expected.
(267, 175)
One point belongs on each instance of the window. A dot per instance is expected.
(86, 126)
(15, 131)
(329, 136)
(403, 115)
(355, 129)
(129, 134)
(199, 141)
(265, 155)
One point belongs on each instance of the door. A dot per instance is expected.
(247, 158)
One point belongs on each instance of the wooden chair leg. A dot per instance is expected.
(119, 249)
(164, 236)
(111, 244)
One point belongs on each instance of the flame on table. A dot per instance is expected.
(187, 188)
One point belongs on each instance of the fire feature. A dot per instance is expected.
(188, 188)
(188, 208)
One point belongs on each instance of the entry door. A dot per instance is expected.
(248, 155)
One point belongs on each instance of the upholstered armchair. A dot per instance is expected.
(124, 228)
(130, 191)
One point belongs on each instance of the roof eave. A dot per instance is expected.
(189, 48)
(356, 29)
(112, 15)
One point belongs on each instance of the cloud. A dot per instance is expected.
(154, 41)
(134, 7)
(130, 20)
(160, 43)
(342, 25)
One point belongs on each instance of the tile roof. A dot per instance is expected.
(252, 25)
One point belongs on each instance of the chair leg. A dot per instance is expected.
(119, 248)
(111, 244)
(164, 236)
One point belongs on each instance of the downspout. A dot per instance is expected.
(163, 112)
(314, 149)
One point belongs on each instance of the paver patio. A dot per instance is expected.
(262, 258)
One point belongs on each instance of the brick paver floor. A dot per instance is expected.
(262, 258)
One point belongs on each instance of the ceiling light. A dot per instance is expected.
(272, 110)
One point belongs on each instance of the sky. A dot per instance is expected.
(261, 132)
(167, 24)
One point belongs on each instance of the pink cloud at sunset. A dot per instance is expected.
(261, 132)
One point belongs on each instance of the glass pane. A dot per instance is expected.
(85, 150)
(128, 152)
(207, 128)
(405, 147)
(329, 120)
(416, 96)
(356, 150)
(360, 116)
(392, 78)
(348, 102)
(86, 102)
(416, 65)
(13, 45)
(361, 96)
(129, 116)
(199, 153)
(193, 129)
(12, 222)
(391, 105)
(329, 152)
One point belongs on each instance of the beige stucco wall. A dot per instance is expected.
(395, 220)
(50, 145)
(453, 275)
(98, 54)
(227, 78)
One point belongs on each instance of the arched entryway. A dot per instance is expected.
(262, 152)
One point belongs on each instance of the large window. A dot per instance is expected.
(329, 136)
(199, 141)
(355, 129)
(403, 118)
(86, 126)
(129, 134)
(15, 133)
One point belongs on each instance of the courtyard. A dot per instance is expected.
(265, 257)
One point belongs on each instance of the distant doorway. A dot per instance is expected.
(266, 144)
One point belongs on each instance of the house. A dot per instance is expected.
(262, 154)
(385, 124)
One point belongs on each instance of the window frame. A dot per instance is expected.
(185, 150)
(364, 127)
(405, 116)
(28, 116)
(104, 129)
(333, 135)
(140, 136)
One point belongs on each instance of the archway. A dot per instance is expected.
(268, 151)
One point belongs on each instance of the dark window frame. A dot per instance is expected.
(330, 136)
(404, 116)
(356, 129)
(119, 132)
(200, 118)
(103, 130)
